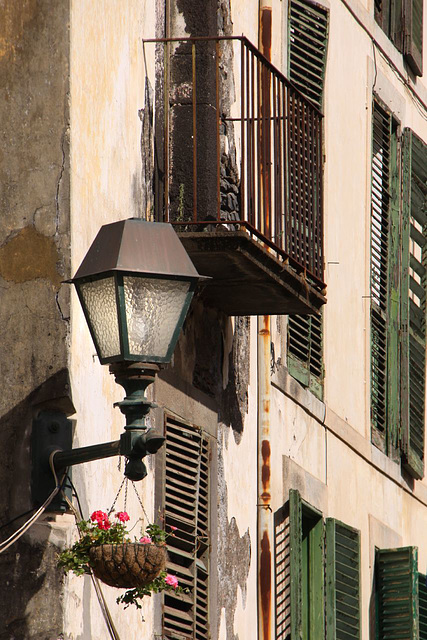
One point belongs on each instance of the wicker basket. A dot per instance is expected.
(127, 565)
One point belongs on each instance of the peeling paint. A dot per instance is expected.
(234, 554)
(29, 255)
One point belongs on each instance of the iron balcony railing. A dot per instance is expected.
(241, 148)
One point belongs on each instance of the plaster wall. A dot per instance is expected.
(322, 448)
(107, 94)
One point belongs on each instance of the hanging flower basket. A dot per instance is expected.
(105, 549)
(127, 565)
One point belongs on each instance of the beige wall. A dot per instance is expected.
(324, 445)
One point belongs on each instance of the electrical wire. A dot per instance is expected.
(21, 515)
(99, 594)
(24, 528)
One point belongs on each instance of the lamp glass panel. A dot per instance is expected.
(153, 310)
(99, 297)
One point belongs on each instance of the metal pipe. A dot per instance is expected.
(264, 520)
(264, 515)
(265, 531)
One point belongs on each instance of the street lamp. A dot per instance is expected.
(135, 285)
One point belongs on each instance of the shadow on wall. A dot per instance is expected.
(30, 606)
(213, 358)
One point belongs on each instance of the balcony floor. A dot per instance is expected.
(247, 277)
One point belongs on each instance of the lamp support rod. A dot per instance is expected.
(70, 457)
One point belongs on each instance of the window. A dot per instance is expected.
(401, 595)
(398, 283)
(317, 575)
(186, 507)
(307, 38)
(402, 21)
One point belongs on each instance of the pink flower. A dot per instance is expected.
(105, 524)
(122, 516)
(174, 528)
(172, 581)
(145, 540)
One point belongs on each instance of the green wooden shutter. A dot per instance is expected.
(295, 531)
(413, 35)
(380, 223)
(388, 14)
(187, 508)
(385, 280)
(305, 351)
(308, 25)
(422, 606)
(397, 591)
(413, 302)
(307, 43)
(342, 581)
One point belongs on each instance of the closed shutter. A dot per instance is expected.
(308, 39)
(186, 507)
(305, 351)
(422, 606)
(282, 555)
(397, 590)
(413, 301)
(413, 38)
(342, 581)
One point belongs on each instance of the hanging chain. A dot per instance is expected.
(140, 501)
(117, 495)
(126, 494)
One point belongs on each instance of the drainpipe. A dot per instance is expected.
(264, 515)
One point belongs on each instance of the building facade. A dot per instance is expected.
(285, 140)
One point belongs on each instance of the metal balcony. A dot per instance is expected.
(238, 172)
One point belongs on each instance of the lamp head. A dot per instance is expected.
(135, 285)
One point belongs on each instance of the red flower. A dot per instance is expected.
(98, 516)
(101, 519)
(122, 516)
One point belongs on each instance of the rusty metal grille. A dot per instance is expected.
(241, 149)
